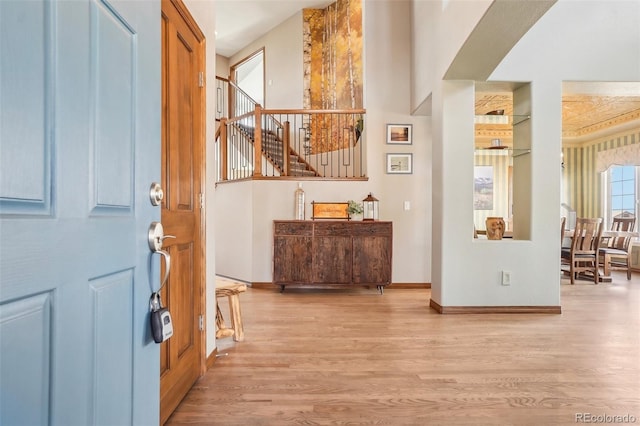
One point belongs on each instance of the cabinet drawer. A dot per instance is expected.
(372, 228)
(332, 229)
(293, 228)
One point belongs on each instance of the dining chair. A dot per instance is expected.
(563, 223)
(621, 223)
(582, 255)
(563, 227)
(615, 255)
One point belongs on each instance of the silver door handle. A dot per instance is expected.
(167, 267)
(156, 237)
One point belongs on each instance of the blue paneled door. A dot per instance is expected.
(79, 149)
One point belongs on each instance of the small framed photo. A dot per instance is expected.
(399, 134)
(399, 163)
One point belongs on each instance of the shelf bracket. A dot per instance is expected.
(528, 151)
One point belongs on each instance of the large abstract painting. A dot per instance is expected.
(333, 68)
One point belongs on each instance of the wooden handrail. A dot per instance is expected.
(266, 111)
(313, 111)
(240, 117)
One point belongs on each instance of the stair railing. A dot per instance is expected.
(276, 143)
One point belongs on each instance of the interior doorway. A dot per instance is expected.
(248, 75)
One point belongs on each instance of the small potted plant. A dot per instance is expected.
(354, 208)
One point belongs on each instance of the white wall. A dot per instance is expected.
(470, 269)
(579, 41)
(233, 224)
(387, 100)
(222, 66)
(438, 30)
(597, 40)
(282, 63)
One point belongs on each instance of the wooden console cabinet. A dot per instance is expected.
(332, 254)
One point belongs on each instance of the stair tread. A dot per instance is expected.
(272, 148)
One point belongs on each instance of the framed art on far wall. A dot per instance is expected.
(399, 163)
(483, 188)
(399, 134)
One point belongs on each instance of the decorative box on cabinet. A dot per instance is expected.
(332, 254)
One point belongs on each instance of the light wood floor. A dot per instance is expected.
(356, 357)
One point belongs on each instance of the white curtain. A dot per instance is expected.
(628, 155)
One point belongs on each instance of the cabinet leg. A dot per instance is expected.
(281, 289)
(381, 289)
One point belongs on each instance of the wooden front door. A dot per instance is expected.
(182, 358)
(79, 149)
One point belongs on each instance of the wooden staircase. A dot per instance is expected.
(272, 147)
(298, 166)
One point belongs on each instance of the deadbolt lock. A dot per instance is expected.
(156, 194)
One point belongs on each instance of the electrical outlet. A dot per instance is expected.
(506, 277)
(407, 205)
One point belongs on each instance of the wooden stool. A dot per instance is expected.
(230, 289)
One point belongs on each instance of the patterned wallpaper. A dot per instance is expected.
(581, 184)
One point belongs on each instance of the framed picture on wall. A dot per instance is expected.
(483, 188)
(399, 163)
(399, 134)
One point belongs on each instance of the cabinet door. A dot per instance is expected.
(371, 259)
(292, 259)
(332, 259)
(292, 243)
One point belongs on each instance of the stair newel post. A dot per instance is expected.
(285, 148)
(257, 143)
(223, 149)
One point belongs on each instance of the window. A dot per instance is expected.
(622, 191)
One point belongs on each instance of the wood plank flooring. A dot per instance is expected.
(333, 357)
